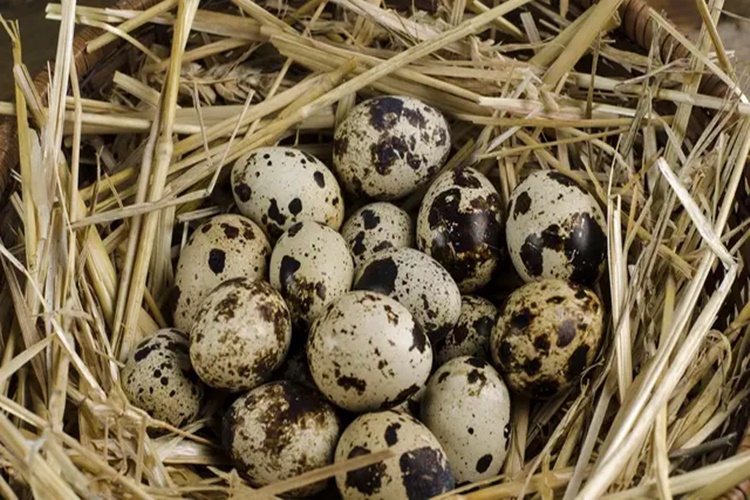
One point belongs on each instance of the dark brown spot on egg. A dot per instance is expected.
(531, 256)
(475, 376)
(484, 463)
(243, 192)
(391, 433)
(295, 206)
(425, 473)
(383, 245)
(440, 136)
(378, 276)
(532, 366)
(216, 260)
(348, 383)
(566, 333)
(563, 180)
(231, 232)
(292, 231)
(459, 334)
(505, 353)
(400, 397)
(386, 152)
(415, 117)
(370, 219)
(521, 204)
(206, 227)
(577, 362)
(368, 480)
(556, 300)
(443, 376)
(385, 112)
(465, 178)
(274, 214)
(521, 319)
(319, 179)
(358, 247)
(340, 148)
(289, 266)
(541, 343)
(476, 362)
(419, 339)
(544, 388)
(585, 248)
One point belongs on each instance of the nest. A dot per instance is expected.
(126, 150)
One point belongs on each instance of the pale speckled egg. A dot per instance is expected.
(420, 469)
(389, 146)
(555, 229)
(471, 335)
(467, 407)
(310, 266)
(377, 227)
(158, 378)
(280, 430)
(419, 283)
(280, 186)
(241, 334)
(460, 226)
(367, 353)
(546, 336)
(225, 247)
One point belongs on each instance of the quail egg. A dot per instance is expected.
(366, 352)
(467, 407)
(241, 334)
(389, 146)
(555, 229)
(279, 186)
(547, 334)
(227, 246)
(310, 266)
(460, 225)
(157, 378)
(420, 469)
(471, 335)
(418, 282)
(377, 227)
(281, 430)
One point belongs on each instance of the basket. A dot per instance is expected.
(636, 26)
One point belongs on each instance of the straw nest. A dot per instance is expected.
(114, 172)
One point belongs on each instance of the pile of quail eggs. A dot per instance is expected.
(334, 333)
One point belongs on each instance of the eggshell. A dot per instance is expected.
(389, 146)
(366, 352)
(241, 334)
(225, 247)
(467, 407)
(310, 266)
(280, 186)
(280, 430)
(471, 335)
(460, 226)
(555, 229)
(377, 227)
(547, 335)
(419, 283)
(420, 469)
(158, 378)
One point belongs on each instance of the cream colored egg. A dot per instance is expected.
(225, 247)
(377, 227)
(471, 335)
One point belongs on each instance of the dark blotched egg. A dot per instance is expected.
(377, 227)
(555, 229)
(471, 335)
(460, 226)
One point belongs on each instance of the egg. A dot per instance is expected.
(419, 469)
(555, 229)
(460, 225)
(377, 227)
(471, 335)
(419, 283)
(366, 352)
(280, 430)
(158, 378)
(467, 407)
(546, 336)
(280, 186)
(241, 334)
(389, 146)
(310, 266)
(225, 247)
(295, 367)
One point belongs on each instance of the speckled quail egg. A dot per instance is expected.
(281, 430)
(547, 334)
(389, 146)
(420, 469)
(471, 335)
(241, 334)
(418, 282)
(280, 186)
(157, 378)
(467, 407)
(227, 246)
(366, 352)
(310, 266)
(555, 229)
(377, 227)
(460, 225)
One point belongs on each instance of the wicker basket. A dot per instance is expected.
(99, 67)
